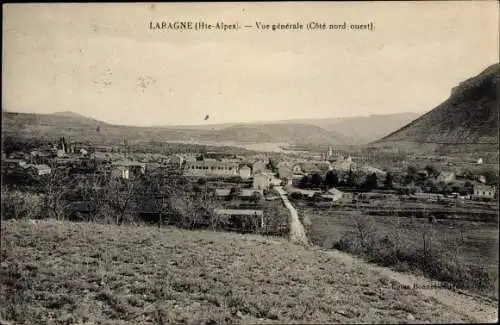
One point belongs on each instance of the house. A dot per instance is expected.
(222, 193)
(296, 169)
(248, 193)
(479, 161)
(60, 153)
(334, 194)
(40, 170)
(261, 181)
(10, 163)
(211, 168)
(174, 161)
(245, 172)
(285, 172)
(446, 177)
(484, 192)
(259, 166)
(19, 155)
(128, 169)
(316, 166)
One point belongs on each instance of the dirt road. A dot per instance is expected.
(297, 231)
(480, 309)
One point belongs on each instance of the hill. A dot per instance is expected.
(368, 128)
(289, 133)
(73, 273)
(468, 118)
(28, 125)
(356, 130)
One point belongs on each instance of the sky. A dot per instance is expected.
(103, 61)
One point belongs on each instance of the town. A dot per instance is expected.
(243, 185)
(155, 171)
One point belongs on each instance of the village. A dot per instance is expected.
(244, 185)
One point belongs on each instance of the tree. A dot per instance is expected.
(235, 191)
(411, 175)
(273, 165)
(316, 180)
(468, 188)
(331, 179)
(371, 182)
(304, 182)
(432, 171)
(491, 177)
(255, 198)
(388, 182)
(119, 198)
(55, 205)
(351, 180)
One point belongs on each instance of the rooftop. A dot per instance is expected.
(239, 212)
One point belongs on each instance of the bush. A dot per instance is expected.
(388, 251)
(17, 204)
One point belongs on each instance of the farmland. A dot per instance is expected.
(466, 243)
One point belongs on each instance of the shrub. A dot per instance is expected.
(17, 204)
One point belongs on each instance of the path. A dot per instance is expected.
(481, 309)
(297, 231)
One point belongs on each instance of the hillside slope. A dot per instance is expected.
(90, 273)
(26, 125)
(369, 128)
(468, 116)
(291, 133)
(355, 130)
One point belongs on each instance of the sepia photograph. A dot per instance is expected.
(210, 163)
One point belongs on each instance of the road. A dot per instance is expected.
(297, 231)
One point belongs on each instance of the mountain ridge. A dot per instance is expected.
(468, 116)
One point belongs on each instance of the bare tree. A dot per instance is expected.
(120, 198)
(54, 184)
(365, 228)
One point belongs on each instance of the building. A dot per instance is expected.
(211, 168)
(446, 177)
(296, 169)
(40, 170)
(245, 172)
(316, 166)
(285, 172)
(261, 181)
(128, 169)
(222, 193)
(484, 192)
(174, 161)
(249, 193)
(259, 166)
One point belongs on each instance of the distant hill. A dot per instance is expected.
(468, 118)
(367, 128)
(357, 130)
(28, 125)
(289, 133)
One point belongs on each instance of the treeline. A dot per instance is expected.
(351, 179)
(152, 199)
(427, 180)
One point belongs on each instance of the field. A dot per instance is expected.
(470, 243)
(67, 273)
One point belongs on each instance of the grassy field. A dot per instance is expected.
(81, 273)
(469, 243)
